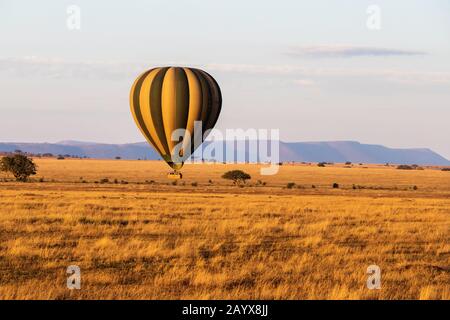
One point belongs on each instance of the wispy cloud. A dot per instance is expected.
(59, 68)
(301, 72)
(348, 51)
(305, 82)
(116, 70)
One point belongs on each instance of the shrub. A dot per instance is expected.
(237, 176)
(445, 169)
(321, 164)
(118, 158)
(290, 185)
(335, 185)
(405, 167)
(194, 184)
(174, 182)
(313, 186)
(104, 180)
(19, 165)
(415, 188)
(60, 157)
(348, 163)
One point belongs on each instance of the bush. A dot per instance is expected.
(194, 184)
(405, 167)
(348, 163)
(60, 157)
(445, 169)
(321, 164)
(19, 165)
(104, 180)
(237, 176)
(335, 185)
(260, 183)
(290, 185)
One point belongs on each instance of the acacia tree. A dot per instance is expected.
(19, 165)
(237, 176)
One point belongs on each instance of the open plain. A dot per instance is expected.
(136, 234)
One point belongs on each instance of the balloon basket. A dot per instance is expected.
(175, 175)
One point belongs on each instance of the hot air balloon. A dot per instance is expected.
(169, 98)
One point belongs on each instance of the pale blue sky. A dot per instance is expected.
(310, 68)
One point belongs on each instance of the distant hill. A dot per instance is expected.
(333, 151)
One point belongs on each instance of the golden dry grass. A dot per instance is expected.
(153, 240)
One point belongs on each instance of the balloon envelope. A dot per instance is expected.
(169, 98)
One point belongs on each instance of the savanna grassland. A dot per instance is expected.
(136, 235)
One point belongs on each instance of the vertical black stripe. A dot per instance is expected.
(137, 108)
(206, 104)
(215, 104)
(156, 108)
(182, 101)
(198, 136)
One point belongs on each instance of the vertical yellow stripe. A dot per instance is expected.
(132, 106)
(175, 103)
(145, 107)
(136, 108)
(195, 107)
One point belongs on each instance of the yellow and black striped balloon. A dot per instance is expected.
(169, 98)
